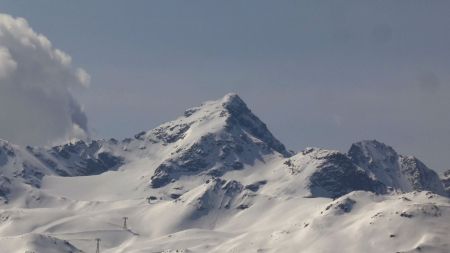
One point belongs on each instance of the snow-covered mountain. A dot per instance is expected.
(329, 173)
(213, 139)
(399, 172)
(22, 169)
(217, 180)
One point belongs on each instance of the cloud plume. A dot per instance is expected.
(36, 79)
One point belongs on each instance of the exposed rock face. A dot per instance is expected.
(169, 134)
(18, 164)
(235, 137)
(20, 167)
(378, 159)
(256, 186)
(446, 182)
(219, 194)
(5, 184)
(420, 176)
(327, 173)
(336, 175)
(239, 116)
(78, 159)
(215, 194)
(340, 206)
(6, 152)
(399, 172)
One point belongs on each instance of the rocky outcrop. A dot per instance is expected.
(398, 172)
(336, 175)
(446, 182)
(235, 137)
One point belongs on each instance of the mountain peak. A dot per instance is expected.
(230, 103)
(214, 138)
(372, 148)
(231, 97)
(233, 103)
(400, 172)
(227, 115)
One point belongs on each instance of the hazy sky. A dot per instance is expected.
(319, 73)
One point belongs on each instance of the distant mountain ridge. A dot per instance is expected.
(213, 139)
(399, 172)
(217, 180)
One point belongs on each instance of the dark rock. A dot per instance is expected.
(219, 194)
(175, 195)
(242, 116)
(170, 133)
(242, 207)
(88, 159)
(406, 215)
(255, 186)
(393, 169)
(340, 206)
(338, 176)
(139, 136)
(202, 157)
(189, 112)
(5, 184)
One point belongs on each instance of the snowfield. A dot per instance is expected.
(217, 180)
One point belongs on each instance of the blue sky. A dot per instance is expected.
(319, 73)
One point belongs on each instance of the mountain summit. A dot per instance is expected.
(214, 138)
(217, 180)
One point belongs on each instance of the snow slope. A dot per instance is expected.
(217, 180)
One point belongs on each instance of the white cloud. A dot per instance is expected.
(36, 105)
(7, 64)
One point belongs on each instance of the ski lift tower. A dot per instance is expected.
(98, 245)
(125, 227)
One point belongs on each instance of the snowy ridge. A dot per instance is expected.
(212, 139)
(37, 243)
(329, 173)
(217, 180)
(399, 172)
(21, 173)
(79, 158)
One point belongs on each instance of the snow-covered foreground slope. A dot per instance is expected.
(213, 219)
(216, 180)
